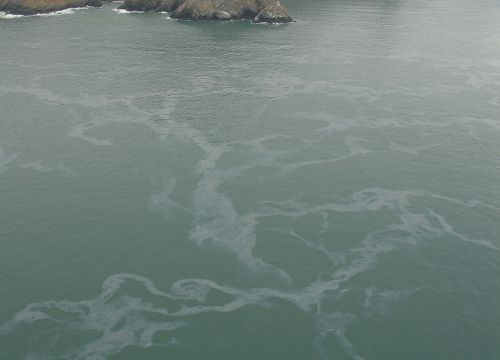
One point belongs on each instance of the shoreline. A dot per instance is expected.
(16, 8)
(271, 12)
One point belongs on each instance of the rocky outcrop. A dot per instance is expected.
(151, 5)
(218, 9)
(274, 13)
(31, 7)
(256, 10)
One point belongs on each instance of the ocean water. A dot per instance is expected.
(327, 189)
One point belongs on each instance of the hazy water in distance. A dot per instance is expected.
(326, 189)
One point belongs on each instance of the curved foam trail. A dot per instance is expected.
(217, 220)
(415, 224)
(105, 313)
(215, 217)
(119, 321)
(115, 323)
(449, 229)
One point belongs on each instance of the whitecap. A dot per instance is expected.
(68, 11)
(4, 15)
(57, 13)
(124, 11)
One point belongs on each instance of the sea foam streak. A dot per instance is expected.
(118, 319)
(69, 11)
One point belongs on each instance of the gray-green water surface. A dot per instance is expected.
(326, 189)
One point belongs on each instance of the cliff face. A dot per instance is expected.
(30, 7)
(257, 10)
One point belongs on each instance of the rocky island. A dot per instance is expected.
(31, 7)
(270, 11)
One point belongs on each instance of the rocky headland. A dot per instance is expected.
(31, 7)
(270, 11)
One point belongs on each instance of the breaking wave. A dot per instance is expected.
(4, 15)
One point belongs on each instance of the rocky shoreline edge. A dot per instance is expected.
(33, 7)
(258, 11)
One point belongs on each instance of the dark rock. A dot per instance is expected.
(168, 5)
(197, 10)
(220, 9)
(150, 5)
(274, 13)
(213, 9)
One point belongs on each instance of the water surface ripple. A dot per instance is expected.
(325, 189)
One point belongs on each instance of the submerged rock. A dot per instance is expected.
(257, 10)
(31, 7)
(274, 13)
